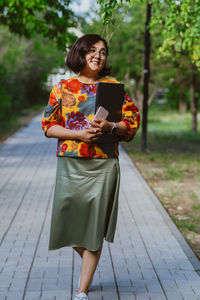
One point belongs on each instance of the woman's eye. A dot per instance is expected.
(93, 51)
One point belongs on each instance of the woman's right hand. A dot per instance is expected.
(89, 135)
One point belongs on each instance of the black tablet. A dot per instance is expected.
(111, 97)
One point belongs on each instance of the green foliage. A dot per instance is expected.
(126, 43)
(179, 22)
(5, 103)
(128, 47)
(24, 67)
(108, 8)
(169, 138)
(50, 18)
(170, 122)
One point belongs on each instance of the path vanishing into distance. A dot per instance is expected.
(149, 258)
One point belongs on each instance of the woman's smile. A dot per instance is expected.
(95, 63)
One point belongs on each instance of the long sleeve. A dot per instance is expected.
(52, 114)
(131, 117)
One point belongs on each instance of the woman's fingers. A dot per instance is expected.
(94, 131)
(95, 137)
(102, 124)
(95, 124)
(98, 121)
(98, 134)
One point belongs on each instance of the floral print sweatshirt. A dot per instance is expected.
(71, 104)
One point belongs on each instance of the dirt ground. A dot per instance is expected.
(179, 196)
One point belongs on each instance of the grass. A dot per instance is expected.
(171, 166)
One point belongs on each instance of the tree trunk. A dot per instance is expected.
(147, 45)
(182, 103)
(193, 103)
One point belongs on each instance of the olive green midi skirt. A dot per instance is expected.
(85, 205)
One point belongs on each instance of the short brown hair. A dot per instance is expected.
(76, 57)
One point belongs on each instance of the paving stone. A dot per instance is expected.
(32, 295)
(16, 295)
(34, 284)
(55, 295)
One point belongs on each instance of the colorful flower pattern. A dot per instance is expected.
(72, 85)
(87, 150)
(71, 104)
(76, 121)
(90, 89)
(81, 98)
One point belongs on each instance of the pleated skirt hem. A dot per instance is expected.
(82, 245)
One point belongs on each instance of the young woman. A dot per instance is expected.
(85, 203)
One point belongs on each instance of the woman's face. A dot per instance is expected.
(96, 57)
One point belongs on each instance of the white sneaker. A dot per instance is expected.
(89, 289)
(81, 296)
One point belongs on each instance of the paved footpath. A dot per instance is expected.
(149, 258)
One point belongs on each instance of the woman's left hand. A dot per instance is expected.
(102, 125)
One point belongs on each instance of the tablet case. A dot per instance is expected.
(111, 97)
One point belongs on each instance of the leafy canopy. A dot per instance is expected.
(178, 21)
(24, 68)
(51, 18)
(180, 24)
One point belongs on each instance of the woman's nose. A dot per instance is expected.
(97, 54)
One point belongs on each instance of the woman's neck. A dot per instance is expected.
(89, 78)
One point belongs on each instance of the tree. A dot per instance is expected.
(24, 67)
(180, 27)
(126, 53)
(178, 22)
(147, 44)
(25, 64)
(51, 18)
(108, 6)
(126, 47)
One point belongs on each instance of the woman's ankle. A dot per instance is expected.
(82, 291)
